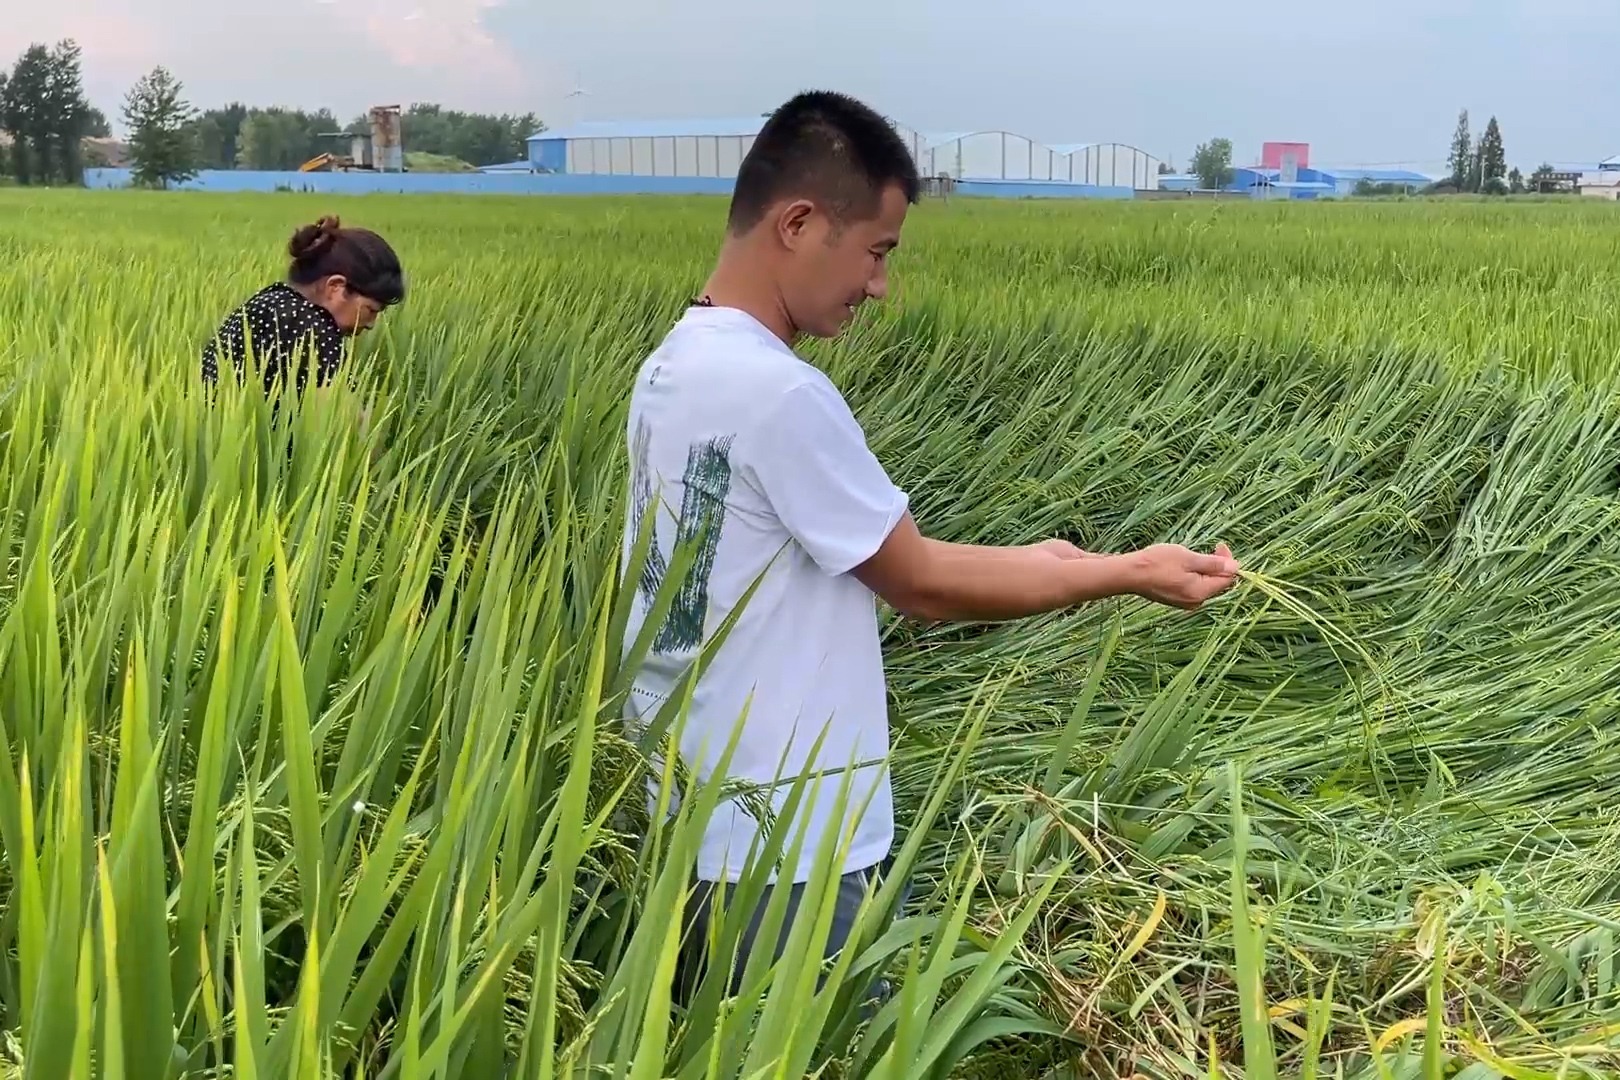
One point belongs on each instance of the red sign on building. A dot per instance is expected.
(1276, 155)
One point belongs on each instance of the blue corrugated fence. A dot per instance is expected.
(370, 183)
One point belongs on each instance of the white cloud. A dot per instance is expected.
(444, 35)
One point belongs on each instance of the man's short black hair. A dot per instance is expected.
(826, 146)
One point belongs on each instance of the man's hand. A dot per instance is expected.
(1175, 576)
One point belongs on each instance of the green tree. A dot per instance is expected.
(280, 139)
(476, 138)
(1212, 164)
(26, 117)
(161, 137)
(1492, 160)
(95, 124)
(66, 113)
(1461, 160)
(1515, 181)
(219, 136)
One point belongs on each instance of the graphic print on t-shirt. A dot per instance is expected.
(705, 485)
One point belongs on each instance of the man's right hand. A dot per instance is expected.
(1175, 576)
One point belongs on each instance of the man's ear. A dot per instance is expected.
(793, 223)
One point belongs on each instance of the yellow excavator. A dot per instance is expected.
(380, 150)
(326, 163)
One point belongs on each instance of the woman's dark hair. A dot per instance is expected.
(363, 258)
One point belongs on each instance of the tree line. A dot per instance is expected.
(1481, 168)
(237, 136)
(46, 117)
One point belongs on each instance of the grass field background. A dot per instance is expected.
(309, 762)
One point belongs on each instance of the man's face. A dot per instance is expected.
(832, 268)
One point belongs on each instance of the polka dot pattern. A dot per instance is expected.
(283, 329)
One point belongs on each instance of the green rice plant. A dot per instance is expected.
(310, 752)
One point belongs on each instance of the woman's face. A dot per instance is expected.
(354, 313)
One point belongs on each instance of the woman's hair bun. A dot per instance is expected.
(313, 241)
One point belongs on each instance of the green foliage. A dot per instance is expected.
(218, 135)
(1462, 158)
(26, 117)
(1492, 161)
(44, 111)
(161, 137)
(471, 137)
(236, 136)
(95, 124)
(1212, 164)
(309, 758)
(283, 139)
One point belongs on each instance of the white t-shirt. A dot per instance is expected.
(727, 425)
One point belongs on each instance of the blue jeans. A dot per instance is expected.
(852, 889)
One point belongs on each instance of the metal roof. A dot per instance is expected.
(654, 129)
(1379, 176)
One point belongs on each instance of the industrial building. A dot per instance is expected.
(1003, 155)
(1261, 183)
(1599, 180)
(715, 148)
(1285, 172)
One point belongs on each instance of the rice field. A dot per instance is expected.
(308, 755)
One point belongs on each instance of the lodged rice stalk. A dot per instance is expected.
(310, 762)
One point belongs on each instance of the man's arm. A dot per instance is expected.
(810, 458)
(931, 579)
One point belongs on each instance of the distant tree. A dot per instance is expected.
(218, 134)
(1461, 160)
(95, 124)
(66, 112)
(1492, 160)
(1166, 169)
(5, 131)
(1515, 181)
(476, 138)
(27, 118)
(1368, 189)
(1212, 164)
(281, 139)
(161, 136)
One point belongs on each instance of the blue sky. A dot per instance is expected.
(1366, 82)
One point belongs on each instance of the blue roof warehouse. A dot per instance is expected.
(1308, 183)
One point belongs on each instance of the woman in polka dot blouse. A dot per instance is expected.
(340, 280)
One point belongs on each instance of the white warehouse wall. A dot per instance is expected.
(996, 155)
(669, 149)
(677, 155)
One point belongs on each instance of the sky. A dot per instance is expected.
(1373, 82)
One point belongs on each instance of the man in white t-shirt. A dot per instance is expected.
(749, 458)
